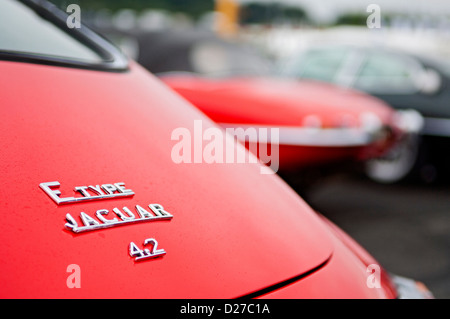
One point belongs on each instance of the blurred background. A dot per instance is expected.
(398, 51)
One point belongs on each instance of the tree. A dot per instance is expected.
(194, 8)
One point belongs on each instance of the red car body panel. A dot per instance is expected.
(288, 104)
(233, 232)
(346, 284)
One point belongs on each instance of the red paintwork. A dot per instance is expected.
(234, 231)
(350, 282)
(284, 102)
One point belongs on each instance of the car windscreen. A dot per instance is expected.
(317, 63)
(218, 59)
(33, 31)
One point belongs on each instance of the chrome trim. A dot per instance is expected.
(91, 224)
(301, 136)
(140, 254)
(113, 59)
(409, 121)
(109, 192)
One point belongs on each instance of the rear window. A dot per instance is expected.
(25, 33)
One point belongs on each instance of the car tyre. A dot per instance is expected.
(397, 164)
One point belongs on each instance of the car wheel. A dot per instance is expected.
(397, 164)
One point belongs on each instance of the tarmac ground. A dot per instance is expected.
(406, 227)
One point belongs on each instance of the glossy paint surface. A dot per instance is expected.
(351, 281)
(234, 231)
(232, 226)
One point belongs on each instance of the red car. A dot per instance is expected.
(95, 207)
(317, 123)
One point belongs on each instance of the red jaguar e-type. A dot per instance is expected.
(312, 123)
(94, 206)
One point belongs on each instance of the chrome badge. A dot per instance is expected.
(105, 191)
(142, 254)
(104, 218)
(126, 216)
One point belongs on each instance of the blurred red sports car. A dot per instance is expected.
(95, 207)
(317, 123)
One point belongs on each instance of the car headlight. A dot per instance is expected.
(409, 121)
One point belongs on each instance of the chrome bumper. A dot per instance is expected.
(410, 121)
(410, 289)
